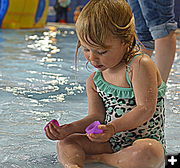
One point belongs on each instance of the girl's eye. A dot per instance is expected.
(102, 52)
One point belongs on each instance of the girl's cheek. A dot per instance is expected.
(86, 55)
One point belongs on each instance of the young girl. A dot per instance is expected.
(125, 94)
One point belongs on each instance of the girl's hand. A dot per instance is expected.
(108, 132)
(55, 132)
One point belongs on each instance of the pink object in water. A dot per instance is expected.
(93, 128)
(52, 121)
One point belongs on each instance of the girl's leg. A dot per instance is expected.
(144, 153)
(72, 150)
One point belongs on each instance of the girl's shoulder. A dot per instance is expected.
(91, 76)
(142, 61)
(143, 64)
(140, 57)
(90, 81)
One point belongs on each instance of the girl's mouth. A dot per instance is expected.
(98, 66)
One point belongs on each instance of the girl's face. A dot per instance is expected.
(103, 59)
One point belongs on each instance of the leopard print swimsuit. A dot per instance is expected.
(118, 101)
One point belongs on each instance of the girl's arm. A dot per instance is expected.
(145, 84)
(96, 111)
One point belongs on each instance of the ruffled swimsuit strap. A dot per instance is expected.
(128, 69)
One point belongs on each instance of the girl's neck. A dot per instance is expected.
(116, 68)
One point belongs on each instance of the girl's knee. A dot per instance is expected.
(150, 150)
(150, 146)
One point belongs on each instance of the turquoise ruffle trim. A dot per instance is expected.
(120, 91)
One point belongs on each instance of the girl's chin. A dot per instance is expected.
(101, 68)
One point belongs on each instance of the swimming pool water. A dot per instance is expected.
(38, 82)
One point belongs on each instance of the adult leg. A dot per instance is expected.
(142, 30)
(144, 153)
(159, 17)
(72, 150)
(165, 49)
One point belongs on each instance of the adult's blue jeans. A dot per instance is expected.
(154, 19)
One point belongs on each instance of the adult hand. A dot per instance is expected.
(108, 132)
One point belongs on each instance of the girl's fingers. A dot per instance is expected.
(103, 127)
(55, 126)
(93, 139)
(98, 137)
(53, 130)
(49, 134)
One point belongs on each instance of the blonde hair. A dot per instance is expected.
(101, 18)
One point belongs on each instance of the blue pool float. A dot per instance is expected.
(40, 10)
(3, 8)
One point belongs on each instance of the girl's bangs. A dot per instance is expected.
(91, 34)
